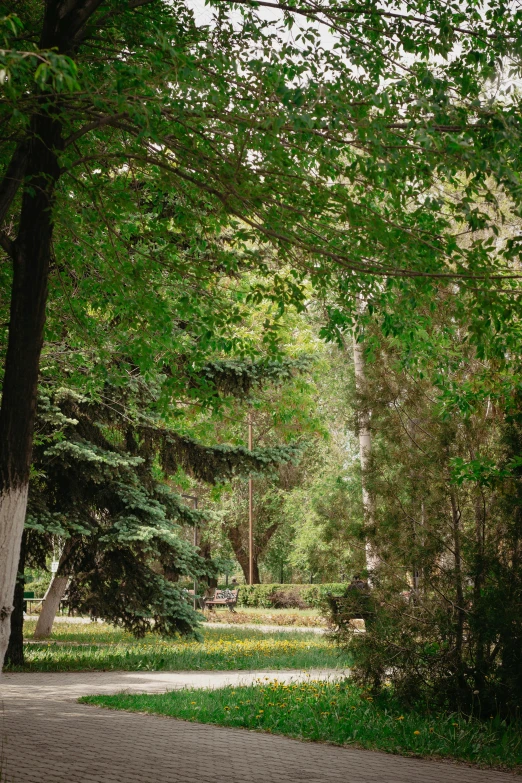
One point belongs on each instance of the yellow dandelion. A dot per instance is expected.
(416, 732)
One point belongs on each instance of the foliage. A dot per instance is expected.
(445, 625)
(340, 713)
(100, 475)
(267, 595)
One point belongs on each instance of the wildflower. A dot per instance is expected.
(401, 717)
(416, 732)
(192, 702)
(226, 708)
(432, 730)
(456, 725)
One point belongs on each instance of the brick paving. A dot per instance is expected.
(46, 737)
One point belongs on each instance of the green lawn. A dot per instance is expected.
(339, 713)
(96, 647)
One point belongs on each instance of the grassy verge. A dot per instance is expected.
(339, 713)
(98, 647)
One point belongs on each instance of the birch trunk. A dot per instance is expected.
(50, 606)
(365, 451)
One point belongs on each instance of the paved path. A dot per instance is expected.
(46, 737)
(239, 626)
(267, 628)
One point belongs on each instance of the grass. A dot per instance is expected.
(99, 647)
(339, 713)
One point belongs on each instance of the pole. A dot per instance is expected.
(195, 545)
(250, 514)
(195, 501)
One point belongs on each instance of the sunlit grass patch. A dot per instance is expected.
(340, 713)
(100, 647)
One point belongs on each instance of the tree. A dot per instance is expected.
(444, 473)
(102, 481)
(225, 116)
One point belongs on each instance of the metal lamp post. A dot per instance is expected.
(250, 513)
(195, 501)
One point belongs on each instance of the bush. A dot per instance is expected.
(288, 599)
(287, 596)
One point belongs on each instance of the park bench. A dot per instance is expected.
(353, 612)
(222, 598)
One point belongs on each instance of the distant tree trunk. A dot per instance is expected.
(459, 593)
(54, 594)
(50, 607)
(365, 450)
(240, 547)
(244, 562)
(15, 649)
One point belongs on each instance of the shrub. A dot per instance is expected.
(288, 599)
(296, 596)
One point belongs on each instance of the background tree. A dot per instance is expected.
(447, 587)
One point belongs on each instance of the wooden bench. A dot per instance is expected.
(222, 598)
(352, 612)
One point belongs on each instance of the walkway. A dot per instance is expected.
(46, 737)
(239, 626)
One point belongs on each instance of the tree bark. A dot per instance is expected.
(63, 29)
(50, 606)
(459, 594)
(235, 536)
(31, 259)
(365, 451)
(240, 547)
(15, 649)
(55, 593)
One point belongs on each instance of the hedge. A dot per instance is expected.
(263, 596)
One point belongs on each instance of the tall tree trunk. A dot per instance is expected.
(63, 28)
(365, 451)
(31, 257)
(15, 648)
(459, 594)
